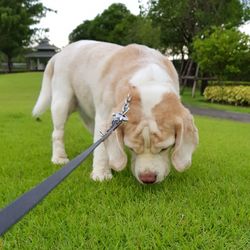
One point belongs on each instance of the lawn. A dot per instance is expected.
(206, 207)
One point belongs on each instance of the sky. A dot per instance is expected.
(71, 13)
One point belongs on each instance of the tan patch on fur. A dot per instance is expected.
(123, 64)
(166, 114)
(135, 117)
(174, 119)
(170, 104)
(124, 60)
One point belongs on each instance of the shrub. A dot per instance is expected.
(228, 83)
(237, 95)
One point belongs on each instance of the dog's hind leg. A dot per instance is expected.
(61, 107)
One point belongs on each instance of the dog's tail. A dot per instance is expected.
(44, 98)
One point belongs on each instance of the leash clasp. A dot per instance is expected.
(121, 116)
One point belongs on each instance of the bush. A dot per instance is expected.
(237, 95)
(228, 83)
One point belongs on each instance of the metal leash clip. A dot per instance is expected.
(121, 116)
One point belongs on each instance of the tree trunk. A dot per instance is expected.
(195, 81)
(182, 63)
(185, 67)
(9, 63)
(204, 84)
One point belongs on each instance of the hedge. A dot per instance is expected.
(228, 83)
(237, 95)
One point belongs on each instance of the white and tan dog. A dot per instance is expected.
(95, 78)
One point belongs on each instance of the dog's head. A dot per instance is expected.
(166, 133)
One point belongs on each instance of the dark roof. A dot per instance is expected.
(44, 45)
(43, 50)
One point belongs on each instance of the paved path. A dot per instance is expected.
(220, 114)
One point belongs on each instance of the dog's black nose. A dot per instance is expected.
(148, 177)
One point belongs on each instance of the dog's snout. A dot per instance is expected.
(148, 177)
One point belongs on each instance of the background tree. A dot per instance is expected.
(103, 26)
(82, 31)
(225, 53)
(118, 25)
(143, 31)
(16, 20)
(180, 21)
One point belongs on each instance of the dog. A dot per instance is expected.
(95, 78)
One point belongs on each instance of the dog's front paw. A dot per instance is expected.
(101, 175)
(60, 160)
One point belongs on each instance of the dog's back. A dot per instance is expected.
(87, 65)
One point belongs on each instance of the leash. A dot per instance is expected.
(12, 213)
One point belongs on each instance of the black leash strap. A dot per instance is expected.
(11, 214)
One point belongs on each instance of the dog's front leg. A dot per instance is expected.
(101, 169)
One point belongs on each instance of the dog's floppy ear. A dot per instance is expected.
(185, 142)
(115, 149)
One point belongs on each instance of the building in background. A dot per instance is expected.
(39, 57)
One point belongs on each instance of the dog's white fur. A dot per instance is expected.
(95, 78)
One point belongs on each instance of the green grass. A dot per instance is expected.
(206, 207)
(200, 102)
